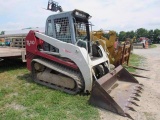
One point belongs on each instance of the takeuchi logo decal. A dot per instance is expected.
(29, 43)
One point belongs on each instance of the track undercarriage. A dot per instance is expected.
(57, 76)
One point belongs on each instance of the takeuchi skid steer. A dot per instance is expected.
(65, 61)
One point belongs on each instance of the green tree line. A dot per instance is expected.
(154, 35)
(2, 32)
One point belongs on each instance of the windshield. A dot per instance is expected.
(82, 31)
(82, 35)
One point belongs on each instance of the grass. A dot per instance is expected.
(21, 98)
(135, 60)
(152, 46)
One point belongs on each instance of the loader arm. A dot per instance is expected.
(107, 44)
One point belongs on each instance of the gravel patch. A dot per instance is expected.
(149, 104)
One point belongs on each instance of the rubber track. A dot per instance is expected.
(75, 75)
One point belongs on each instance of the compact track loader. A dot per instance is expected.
(64, 60)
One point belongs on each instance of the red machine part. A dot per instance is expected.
(33, 44)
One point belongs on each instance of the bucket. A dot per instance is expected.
(116, 91)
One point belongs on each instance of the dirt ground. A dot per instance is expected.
(149, 104)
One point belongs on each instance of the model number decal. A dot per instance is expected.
(30, 42)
